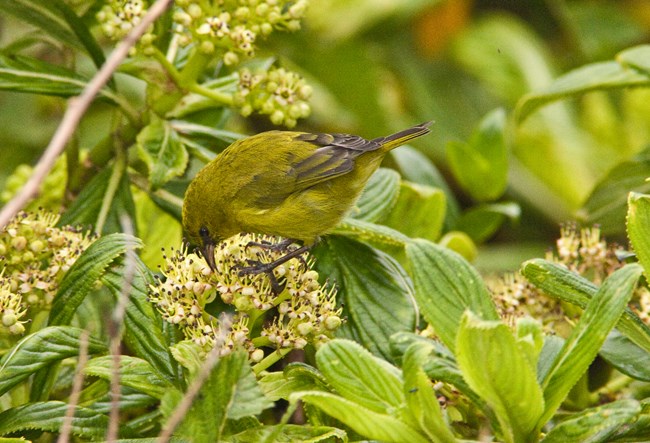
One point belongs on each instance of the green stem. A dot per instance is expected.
(270, 359)
(220, 97)
(193, 68)
(169, 67)
(113, 184)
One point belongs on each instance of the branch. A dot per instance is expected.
(76, 109)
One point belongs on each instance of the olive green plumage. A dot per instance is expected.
(292, 184)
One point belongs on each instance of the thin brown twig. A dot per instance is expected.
(76, 108)
(77, 384)
(192, 391)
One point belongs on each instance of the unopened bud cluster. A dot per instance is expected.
(34, 256)
(118, 17)
(278, 93)
(232, 27)
(51, 191)
(304, 312)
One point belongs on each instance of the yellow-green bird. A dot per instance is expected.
(296, 185)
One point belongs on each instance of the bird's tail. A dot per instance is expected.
(399, 138)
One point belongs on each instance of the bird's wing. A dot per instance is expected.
(333, 157)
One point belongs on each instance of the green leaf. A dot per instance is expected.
(445, 286)
(375, 290)
(361, 377)
(378, 197)
(482, 221)
(607, 203)
(460, 243)
(626, 356)
(418, 168)
(49, 417)
(160, 148)
(372, 233)
(638, 220)
(295, 377)
(636, 57)
(219, 399)
(40, 350)
(133, 372)
(481, 165)
(587, 337)
(559, 282)
(144, 333)
(600, 76)
(85, 210)
(46, 17)
(595, 424)
(419, 211)
(420, 396)
(497, 370)
(368, 423)
(81, 277)
(289, 434)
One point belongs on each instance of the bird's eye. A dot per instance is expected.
(204, 233)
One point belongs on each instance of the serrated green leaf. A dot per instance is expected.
(460, 243)
(482, 221)
(289, 434)
(626, 356)
(445, 286)
(568, 286)
(420, 396)
(370, 424)
(481, 165)
(40, 350)
(638, 220)
(600, 76)
(378, 197)
(595, 425)
(81, 277)
(359, 376)
(134, 373)
(370, 232)
(419, 211)
(497, 370)
(587, 337)
(219, 399)
(144, 334)
(636, 57)
(160, 148)
(375, 290)
(49, 417)
(607, 203)
(295, 377)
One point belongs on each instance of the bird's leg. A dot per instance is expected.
(281, 246)
(267, 268)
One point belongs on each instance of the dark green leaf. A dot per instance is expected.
(445, 286)
(595, 424)
(481, 165)
(376, 292)
(133, 372)
(295, 377)
(638, 220)
(594, 77)
(607, 203)
(49, 416)
(289, 434)
(89, 267)
(378, 196)
(586, 339)
(497, 370)
(626, 356)
(159, 146)
(482, 221)
(359, 376)
(40, 350)
(144, 334)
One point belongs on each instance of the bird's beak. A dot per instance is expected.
(208, 254)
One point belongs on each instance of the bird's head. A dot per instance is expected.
(199, 230)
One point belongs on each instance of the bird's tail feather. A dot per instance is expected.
(399, 138)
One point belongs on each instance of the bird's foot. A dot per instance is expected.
(257, 267)
(282, 246)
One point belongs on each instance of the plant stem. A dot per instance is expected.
(270, 359)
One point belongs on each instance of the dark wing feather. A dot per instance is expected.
(334, 157)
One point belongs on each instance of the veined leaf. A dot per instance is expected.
(496, 369)
(445, 286)
(40, 350)
(159, 146)
(289, 433)
(638, 220)
(89, 267)
(371, 424)
(378, 197)
(582, 345)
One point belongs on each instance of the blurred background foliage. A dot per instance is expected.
(378, 66)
